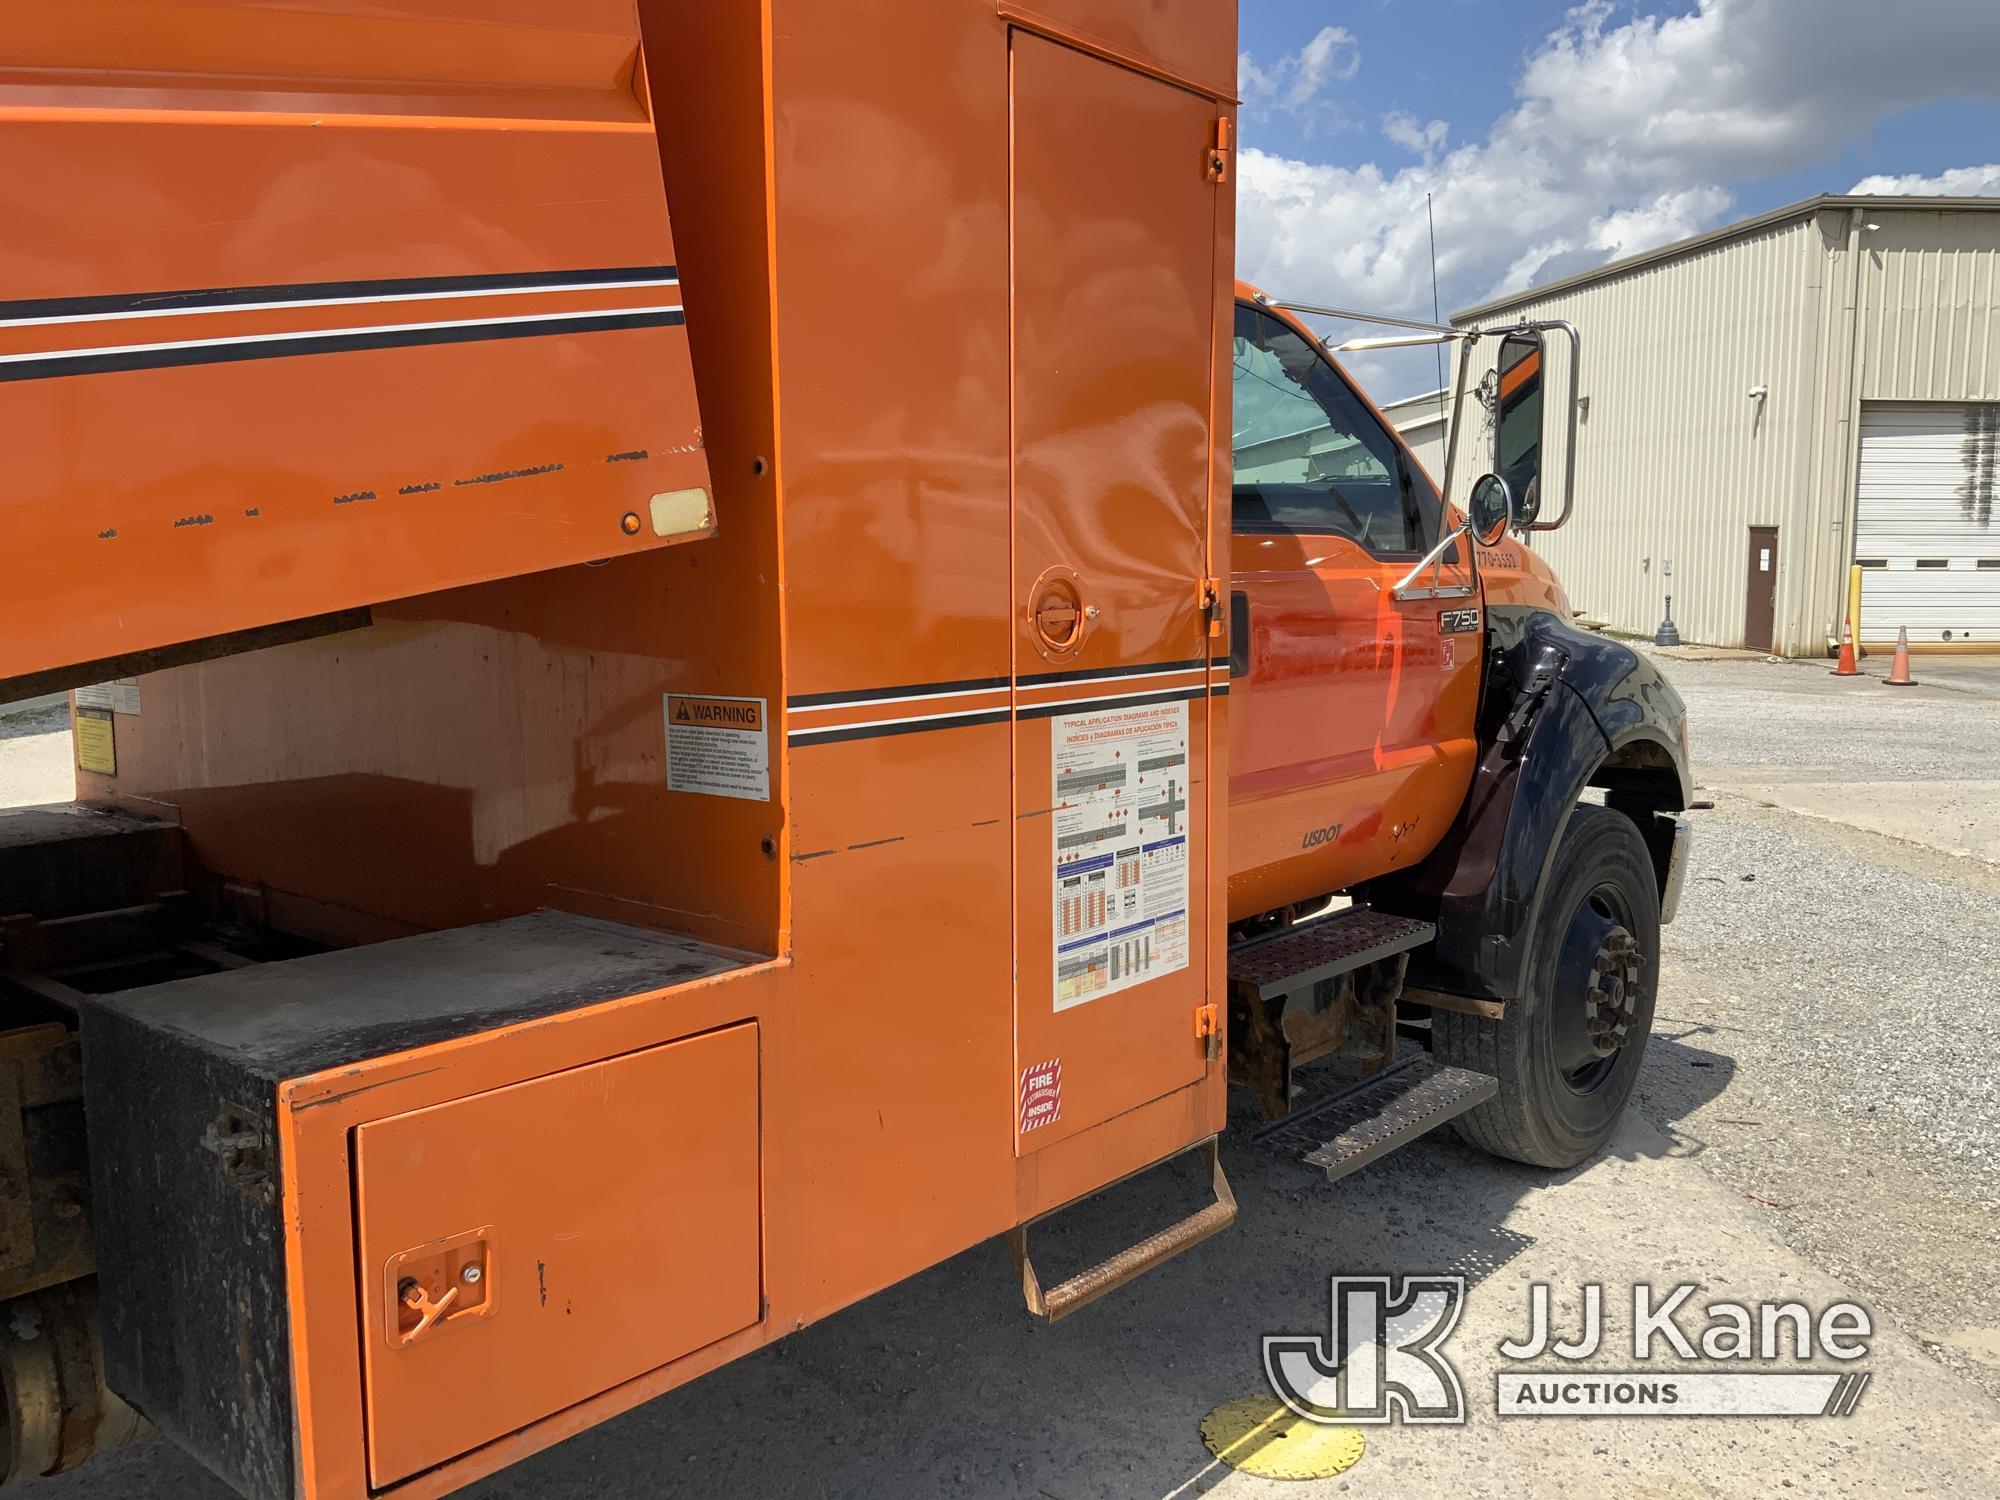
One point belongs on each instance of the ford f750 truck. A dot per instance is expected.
(713, 657)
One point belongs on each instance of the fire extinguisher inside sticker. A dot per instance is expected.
(1121, 849)
(719, 747)
(1040, 1094)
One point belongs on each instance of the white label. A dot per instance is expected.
(120, 697)
(719, 747)
(1121, 849)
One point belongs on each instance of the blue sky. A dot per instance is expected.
(1555, 137)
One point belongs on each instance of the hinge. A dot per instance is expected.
(1208, 1028)
(1219, 151)
(245, 1153)
(1211, 605)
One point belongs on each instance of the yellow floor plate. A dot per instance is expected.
(1260, 1435)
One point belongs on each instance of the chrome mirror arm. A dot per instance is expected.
(1434, 559)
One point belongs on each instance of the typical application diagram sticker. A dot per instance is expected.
(1121, 849)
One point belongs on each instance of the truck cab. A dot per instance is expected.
(1352, 733)
(1396, 664)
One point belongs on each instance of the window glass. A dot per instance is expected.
(1310, 456)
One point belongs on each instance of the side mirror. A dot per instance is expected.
(1490, 511)
(1517, 423)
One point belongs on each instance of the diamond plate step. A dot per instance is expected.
(1346, 1131)
(1295, 957)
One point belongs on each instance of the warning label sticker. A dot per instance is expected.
(96, 742)
(120, 697)
(1040, 1098)
(719, 747)
(1121, 849)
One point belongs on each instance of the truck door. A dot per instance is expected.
(1352, 738)
(1115, 312)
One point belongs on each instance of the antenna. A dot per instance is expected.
(1437, 311)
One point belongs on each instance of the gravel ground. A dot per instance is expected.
(35, 763)
(1843, 978)
(1792, 717)
(1853, 990)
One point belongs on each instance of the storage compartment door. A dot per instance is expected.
(1115, 310)
(524, 1249)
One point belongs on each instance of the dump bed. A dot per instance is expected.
(306, 308)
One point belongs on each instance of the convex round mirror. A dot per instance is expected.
(1490, 511)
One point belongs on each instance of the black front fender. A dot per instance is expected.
(1561, 708)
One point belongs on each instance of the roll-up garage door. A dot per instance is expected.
(1925, 529)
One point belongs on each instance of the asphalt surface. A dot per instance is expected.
(1818, 1118)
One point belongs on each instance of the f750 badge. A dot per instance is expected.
(1458, 621)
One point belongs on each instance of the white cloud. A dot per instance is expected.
(1953, 182)
(1296, 83)
(1624, 135)
(1419, 140)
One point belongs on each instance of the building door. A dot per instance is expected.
(1760, 611)
(1925, 525)
(1117, 301)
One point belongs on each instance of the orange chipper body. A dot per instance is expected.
(681, 554)
(404, 310)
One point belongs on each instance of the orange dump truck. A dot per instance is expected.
(708, 637)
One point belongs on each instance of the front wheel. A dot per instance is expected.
(1568, 1052)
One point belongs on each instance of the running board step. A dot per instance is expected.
(1346, 1131)
(1296, 958)
(1127, 1265)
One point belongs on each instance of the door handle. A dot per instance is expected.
(1058, 614)
(420, 1302)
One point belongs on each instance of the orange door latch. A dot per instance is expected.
(445, 1284)
(421, 1308)
(1208, 1028)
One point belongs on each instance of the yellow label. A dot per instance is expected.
(746, 715)
(96, 744)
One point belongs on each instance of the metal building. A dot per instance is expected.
(1773, 401)
(1422, 421)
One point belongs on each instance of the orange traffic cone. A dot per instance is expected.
(1845, 666)
(1899, 670)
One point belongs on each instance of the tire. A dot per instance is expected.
(1560, 1097)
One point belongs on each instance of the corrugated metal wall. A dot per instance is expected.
(1931, 306)
(1675, 459)
(1422, 425)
